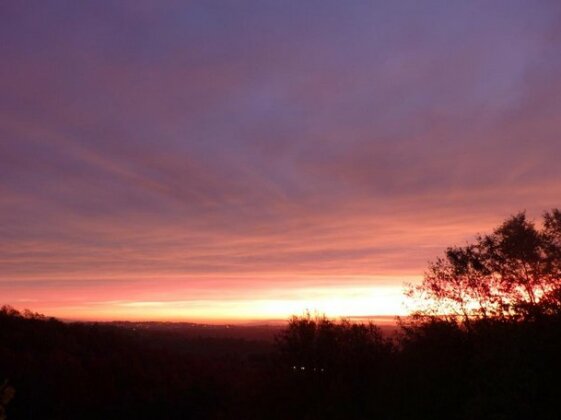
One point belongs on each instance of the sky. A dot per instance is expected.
(248, 160)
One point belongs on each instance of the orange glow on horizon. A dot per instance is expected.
(264, 305)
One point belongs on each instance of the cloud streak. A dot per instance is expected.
(159, 149)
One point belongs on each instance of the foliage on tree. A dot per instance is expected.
(513, 273)
(332, 369)
(318, 344)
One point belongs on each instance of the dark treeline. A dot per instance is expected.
(317, 369)
(434, 369)
(94, 370)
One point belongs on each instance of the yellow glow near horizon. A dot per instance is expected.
(332, 301)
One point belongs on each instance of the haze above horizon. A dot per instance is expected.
(251, 160)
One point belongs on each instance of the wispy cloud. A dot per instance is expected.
(149, 148)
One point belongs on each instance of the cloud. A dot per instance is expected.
(156, 148)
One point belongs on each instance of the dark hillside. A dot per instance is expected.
(76, 370)
(315, 369)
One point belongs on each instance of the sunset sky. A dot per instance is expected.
(248, 160)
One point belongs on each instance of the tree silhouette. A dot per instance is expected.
(512, 273)
(331, 369)
(319, 345)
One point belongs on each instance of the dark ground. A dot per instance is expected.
(314, 369)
